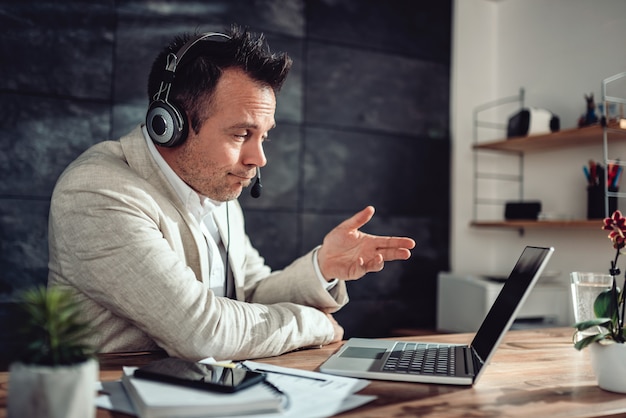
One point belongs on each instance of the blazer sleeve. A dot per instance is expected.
(297, 283)
(114, 240)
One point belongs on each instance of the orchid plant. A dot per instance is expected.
(609, 305)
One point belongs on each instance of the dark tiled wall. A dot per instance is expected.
(363, 119)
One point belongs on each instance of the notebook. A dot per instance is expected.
(153, 399)
(427, 362)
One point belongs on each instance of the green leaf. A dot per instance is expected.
(581, 326)
(604, 306)
(53, 328)
(579, 345)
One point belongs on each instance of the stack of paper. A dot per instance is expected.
(152, 399)
(306, 394)
(313, 394)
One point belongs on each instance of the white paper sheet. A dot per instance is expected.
(311, 394)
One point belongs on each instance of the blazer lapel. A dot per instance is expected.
(138, 156)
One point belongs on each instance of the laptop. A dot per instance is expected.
(454, 364)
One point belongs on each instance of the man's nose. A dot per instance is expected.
(255, 155)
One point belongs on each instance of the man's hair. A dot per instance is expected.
(202, 66)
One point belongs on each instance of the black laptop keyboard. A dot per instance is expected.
(419, 358)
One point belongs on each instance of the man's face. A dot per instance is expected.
(221, 159)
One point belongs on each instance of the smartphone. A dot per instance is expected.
(199, 375)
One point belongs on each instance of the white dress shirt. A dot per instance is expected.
(201, 208)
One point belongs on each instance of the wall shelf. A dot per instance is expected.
(530, 224)
(597, 134)
(588, 135)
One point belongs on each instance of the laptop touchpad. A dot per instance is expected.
(363, 352)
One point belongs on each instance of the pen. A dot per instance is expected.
(599, 174)
(592, 171)
(615, 182)
(290, 374)
(227, 365)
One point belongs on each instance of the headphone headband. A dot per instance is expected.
(172, 64)
(165, 122)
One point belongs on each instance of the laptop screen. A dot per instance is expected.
(501, 315)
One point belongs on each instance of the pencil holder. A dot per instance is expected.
(596, 202)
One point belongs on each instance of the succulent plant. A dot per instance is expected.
(52, 330)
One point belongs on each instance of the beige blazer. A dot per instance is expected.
(120, 237)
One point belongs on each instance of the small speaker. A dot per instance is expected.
(532, 121)
(522, 210)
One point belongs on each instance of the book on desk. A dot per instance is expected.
(152, 399)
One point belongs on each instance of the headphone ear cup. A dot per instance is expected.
(166, 124)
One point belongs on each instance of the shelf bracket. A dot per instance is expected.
(478, 123)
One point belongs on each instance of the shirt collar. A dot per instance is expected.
(198, 205)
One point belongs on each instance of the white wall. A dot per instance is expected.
(558, 50)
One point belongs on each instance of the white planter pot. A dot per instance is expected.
(52, 392)
(609, 365)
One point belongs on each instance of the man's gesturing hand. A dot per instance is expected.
(348, 254)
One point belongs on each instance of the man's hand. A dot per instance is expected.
(338, 329)
(348, 254)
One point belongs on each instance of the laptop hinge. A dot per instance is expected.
(476, 362)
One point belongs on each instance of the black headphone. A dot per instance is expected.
(166, 123)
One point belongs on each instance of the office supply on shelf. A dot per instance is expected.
(522, 210)
(596, 202)
(594, 174)
(532, 121)
(597, 188)
(614, 172)
(615, 181)
(443, 363)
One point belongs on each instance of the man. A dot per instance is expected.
(148, 232)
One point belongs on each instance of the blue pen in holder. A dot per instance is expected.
(596, 201)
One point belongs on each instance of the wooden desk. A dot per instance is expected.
(533, 374)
